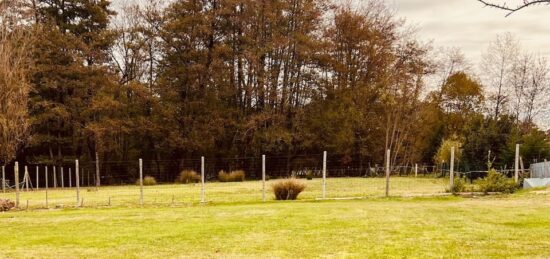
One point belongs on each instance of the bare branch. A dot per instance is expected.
(511, 10)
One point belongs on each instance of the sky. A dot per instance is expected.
(471, 26)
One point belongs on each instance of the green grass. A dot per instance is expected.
(446, 227)
(235, 192)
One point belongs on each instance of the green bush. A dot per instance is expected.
(496, 182)
(460, 185)
(188, 176)
(288, 189)
(309, 175)
(233, 176)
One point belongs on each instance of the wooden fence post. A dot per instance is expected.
(451, 169)
(415, 170)
(516, 171)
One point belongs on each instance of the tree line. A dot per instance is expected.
(241, 78)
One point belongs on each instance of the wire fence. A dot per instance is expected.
(202, 180)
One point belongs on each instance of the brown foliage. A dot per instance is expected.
(233, 176)
(6, 205)
(288, 189)
(188, 176)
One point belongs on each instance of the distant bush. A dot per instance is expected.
(288, 189)
(496, 182)
(188, 176)
(6, 204)
(460, 185)
(233, 176)
(148, 180)
(309, 175)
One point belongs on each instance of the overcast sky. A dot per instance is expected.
(469, 25)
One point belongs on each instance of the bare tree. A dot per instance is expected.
(15, 48)
(538, 89)
(497, 66)
(512, 9)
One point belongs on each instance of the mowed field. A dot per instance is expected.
(218, 192)
(501, 226)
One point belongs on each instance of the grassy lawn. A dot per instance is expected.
(216, 192)
(497, 226)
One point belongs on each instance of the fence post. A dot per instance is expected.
(77, 184)
(415, 170)
(140, 182)
(62, 182)
(263, 178)
(388, 157)
(70, 178)
(54, 177)
(202, 180)
(16, 172)
(324, 174)
(98, 179)
(452, 168)
(545, 168)
(26, 179)
(37, 184)
(516, 171)
(3, 179)
(46, 171)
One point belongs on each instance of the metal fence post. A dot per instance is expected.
(54, 177)
(70, 178)
(37, 184)
(451, 169)
(203, 198)
(263, 178)
(3, 179)
(98, 179)
(77, 183)
(26, 179)
(62, 182)
(388, 157)
(324, 174)
(516, 171)
(415, 170)
(46, 171)
(140, 182)
(16, 172)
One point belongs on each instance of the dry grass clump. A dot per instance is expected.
(148, 180)
(288, 189)
(188, 176)
(233, 176)
(6, 204)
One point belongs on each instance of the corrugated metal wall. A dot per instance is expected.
(540, 170)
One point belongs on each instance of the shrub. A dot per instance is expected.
(496, 182)
(288, 189)
(460, 185)
(233, 176)
(309, 175)
(6, 204)
(148, 180)
(188, 176)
